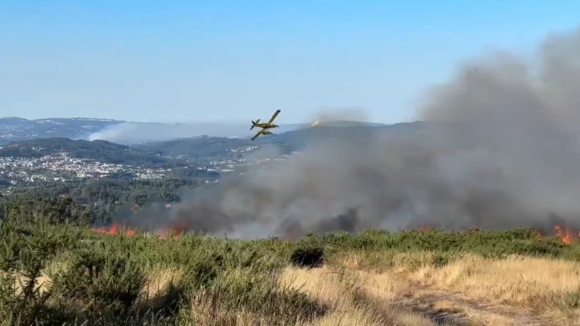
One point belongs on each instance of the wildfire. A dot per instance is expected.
(115, 228)
(566, 234)
(168, 232)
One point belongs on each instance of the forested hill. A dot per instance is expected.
(197, 147)
(101, 199)
(99, 150)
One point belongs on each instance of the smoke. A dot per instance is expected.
(351, 114)
(501, 151)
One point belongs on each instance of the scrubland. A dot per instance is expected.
(68, 274)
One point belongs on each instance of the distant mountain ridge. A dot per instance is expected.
(18, 129)
(127, 132)
(192, 148)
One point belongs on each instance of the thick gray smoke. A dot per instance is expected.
(502, 149)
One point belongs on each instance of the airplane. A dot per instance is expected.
(265, 125)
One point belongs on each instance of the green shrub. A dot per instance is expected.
(99, 281)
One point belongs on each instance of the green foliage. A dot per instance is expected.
(25, 249)
(55, 211)
(521, 241)
(100, 280)
(102, 199)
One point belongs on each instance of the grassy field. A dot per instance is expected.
(71, 275)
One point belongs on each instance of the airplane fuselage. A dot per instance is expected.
(265, 125)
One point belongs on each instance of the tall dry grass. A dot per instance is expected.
(341, 292)
(497, 291)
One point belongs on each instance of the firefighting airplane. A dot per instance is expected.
(265, 125)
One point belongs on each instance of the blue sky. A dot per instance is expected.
(179, 61)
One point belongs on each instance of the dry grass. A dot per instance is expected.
(207, 310)
(476, 316)
(158, 281)
(534, 286)
(337, 290)
(526, 282)
(367, 289)
(42, 283)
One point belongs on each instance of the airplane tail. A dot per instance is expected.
(254, 123)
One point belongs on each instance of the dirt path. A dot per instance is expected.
(427, 306)
(458, 310)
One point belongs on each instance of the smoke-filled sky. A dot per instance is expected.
(507, 154)
(225, 60)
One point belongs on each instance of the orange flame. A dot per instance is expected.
(114, 229)
(566, 234)
(174, 230)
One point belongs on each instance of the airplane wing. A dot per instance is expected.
(274, 116)
(257, 134)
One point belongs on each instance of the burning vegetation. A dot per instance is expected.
(565, 234)
(116, 229)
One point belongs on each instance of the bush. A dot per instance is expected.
(311, 257)
(99, 282)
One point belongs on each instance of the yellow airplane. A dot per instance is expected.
(265, 125)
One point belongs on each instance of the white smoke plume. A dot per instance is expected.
(143, 132)
(503, 151)
(128, 132)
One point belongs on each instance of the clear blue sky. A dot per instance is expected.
(240, 60)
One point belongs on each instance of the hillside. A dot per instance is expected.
(344, 131)
(98, 150)
(197, 147)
